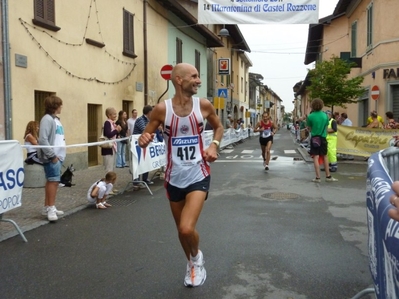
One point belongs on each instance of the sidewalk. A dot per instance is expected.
(69, 199)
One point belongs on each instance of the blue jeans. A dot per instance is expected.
(120, 154)
(53, 171)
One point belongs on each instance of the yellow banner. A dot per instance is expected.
(358, 141)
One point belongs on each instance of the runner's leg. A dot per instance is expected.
(186, 214)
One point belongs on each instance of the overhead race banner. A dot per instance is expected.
(11, 175)
(359, 141)
(258, 11)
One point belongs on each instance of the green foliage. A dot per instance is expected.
(329, 82)
(287, 116)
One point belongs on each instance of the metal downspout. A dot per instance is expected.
(145, 52)
(6, 70)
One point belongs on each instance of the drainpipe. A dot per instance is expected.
(6, 70)
(145, 52)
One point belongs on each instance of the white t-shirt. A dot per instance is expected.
(105, 189)
(130, 124)
(60, 152)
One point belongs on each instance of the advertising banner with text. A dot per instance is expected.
(11, 175)
(359, 141)
(258, 11)
(146, 159)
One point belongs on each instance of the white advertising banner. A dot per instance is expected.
(11, 175)
(258, 11)
(146, 159)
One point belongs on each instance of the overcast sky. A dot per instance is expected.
(278, 53)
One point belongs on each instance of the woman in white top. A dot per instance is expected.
(31, 138)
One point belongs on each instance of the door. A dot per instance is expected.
(92, 133)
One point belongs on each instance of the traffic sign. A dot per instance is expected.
(222, 93)
(166, 71)
(375, 92)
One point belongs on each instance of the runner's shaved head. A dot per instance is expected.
(180, 70)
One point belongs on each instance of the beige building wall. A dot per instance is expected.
(157, 39)
(81, 74)
(380, 61)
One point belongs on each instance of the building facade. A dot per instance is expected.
(362, 32)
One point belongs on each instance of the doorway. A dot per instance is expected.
(93, 117)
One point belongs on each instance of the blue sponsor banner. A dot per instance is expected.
(383, 243)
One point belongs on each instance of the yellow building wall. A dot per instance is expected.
(56, 60)
(382, 55)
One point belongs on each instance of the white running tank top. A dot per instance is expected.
(184, 146)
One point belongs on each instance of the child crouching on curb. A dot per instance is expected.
(99, 190)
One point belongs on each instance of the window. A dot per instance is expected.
(44, 14)
(179, 50)
(128, 34)
(353, 39)
(369, 11)
(242, 85)
(198, 61)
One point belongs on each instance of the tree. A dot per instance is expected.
(287, 116)
(329, 82)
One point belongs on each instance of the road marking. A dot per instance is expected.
(227, 151)
(282, 160)
(289, 151)
(247, 151)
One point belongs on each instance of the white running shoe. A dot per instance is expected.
(51, 214)
(198, 272)
(331, 179)
(264, 164)
(45, 210)
(187, 278)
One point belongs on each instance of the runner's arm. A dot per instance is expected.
(157, 117)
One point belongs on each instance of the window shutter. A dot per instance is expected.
(50, 9)
(39, 10)
(128, 34)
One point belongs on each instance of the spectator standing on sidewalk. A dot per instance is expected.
(187, 177)
(303, 129)
(332, 142)
(131, 121)
(121, 145)
(317, 122)
(51, 133)
(337, 118)
(391, 123)
(375, 122)
(229, 122)
(346, 122)
(111, 131)
(139, 127)
(374, 115)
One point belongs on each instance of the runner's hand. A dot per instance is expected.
(145, 139)
(210, 154)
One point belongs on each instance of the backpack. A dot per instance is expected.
(66, 177)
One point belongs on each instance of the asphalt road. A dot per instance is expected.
(273, 235)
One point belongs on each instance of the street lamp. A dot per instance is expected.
(224, 32)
